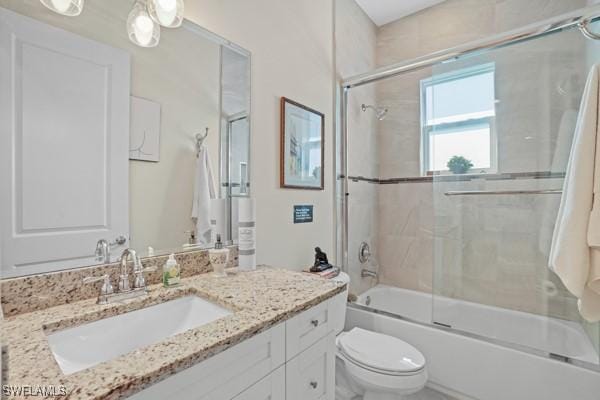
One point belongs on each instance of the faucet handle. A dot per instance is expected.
(107, 287)
(139, 281)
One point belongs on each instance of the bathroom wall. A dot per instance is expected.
(355, 39)
(489, 250)
(160, 194)
(292, 55)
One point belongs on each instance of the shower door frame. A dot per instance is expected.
(579, 19)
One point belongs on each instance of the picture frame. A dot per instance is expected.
(144, 135)
(302, 147)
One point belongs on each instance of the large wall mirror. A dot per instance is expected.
(101, 139)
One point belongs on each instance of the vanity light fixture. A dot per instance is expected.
(168, 13)
(142, 29)
(71, 8)
(144, 20)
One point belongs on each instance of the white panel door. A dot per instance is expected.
(64, 121)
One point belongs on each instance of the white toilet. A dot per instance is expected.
(374, 365)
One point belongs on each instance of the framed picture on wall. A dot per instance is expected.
(144, 134)
(302, 146)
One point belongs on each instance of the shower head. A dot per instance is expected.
(380, 112)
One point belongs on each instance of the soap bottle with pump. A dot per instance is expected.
(171, 272)
(218, 258)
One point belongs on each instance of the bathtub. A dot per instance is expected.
(501, 354)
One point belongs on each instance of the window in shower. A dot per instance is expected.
(457, 119)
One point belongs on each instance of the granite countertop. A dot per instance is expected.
(259, 300)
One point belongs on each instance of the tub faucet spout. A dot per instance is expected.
(367, 273)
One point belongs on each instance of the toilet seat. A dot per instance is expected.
(380, 353)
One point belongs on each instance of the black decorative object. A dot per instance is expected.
(321, 262)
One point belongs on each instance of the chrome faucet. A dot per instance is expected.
(125, 291)
(367, 273)
(103, 251)
(124, 270)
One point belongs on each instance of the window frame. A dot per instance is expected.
(427, 130)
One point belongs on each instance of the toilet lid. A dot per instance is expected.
(380, 352)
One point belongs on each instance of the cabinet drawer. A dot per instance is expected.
(270, 388)
(226, 374)
(310, 375)
(307, 328)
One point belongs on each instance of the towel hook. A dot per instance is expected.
(200, 141)
(584, 27)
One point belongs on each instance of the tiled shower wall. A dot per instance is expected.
(491, 249)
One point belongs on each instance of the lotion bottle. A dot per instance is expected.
(247, 234)
(218, 257)
(171, 272)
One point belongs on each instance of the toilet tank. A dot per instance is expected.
(339, 304)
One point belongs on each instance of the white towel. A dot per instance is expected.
(575, 252)
(568, 122)
(549, 204)
(204, 191)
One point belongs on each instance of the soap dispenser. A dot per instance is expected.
(171, 272)
(218, 258)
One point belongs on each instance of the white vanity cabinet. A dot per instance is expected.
(310, 354)
(294, 360)
(311, 374)
(271, 387)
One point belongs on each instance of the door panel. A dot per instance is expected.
(63, 144)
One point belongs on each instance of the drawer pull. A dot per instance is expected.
(315, 322)
(314, 384)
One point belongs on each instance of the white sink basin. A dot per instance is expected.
(84, 346)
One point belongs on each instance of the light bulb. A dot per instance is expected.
(61, 5)
(168, 13)
(168, 5)
(69, 8)
(143, 29)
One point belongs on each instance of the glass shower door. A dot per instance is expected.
(496, 136)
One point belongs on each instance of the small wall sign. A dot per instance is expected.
(303, 214)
